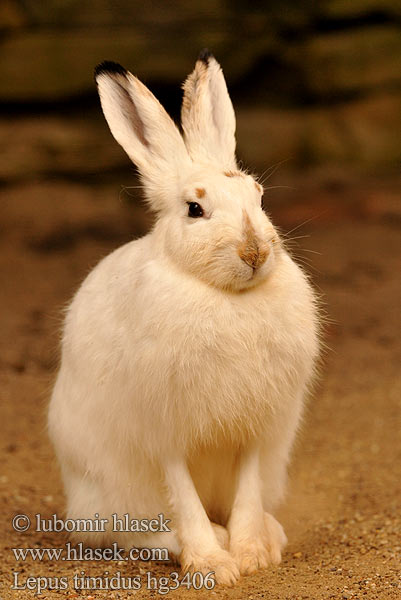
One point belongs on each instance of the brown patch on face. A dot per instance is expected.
(252, 251)
(200, 192)
(233, 174)
(258, 187)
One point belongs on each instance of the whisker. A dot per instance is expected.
(125, 188)
(274, 187)
(311, 251)
(307, 265)
(271, 170)
(307, 221)
(296, 237)
(132, 187)
(260, 177)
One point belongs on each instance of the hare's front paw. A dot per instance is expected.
(218, 561)
(257, 551)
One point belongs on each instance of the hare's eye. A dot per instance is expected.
(194, 210)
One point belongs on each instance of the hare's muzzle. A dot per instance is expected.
(252, 251)
(254, 255)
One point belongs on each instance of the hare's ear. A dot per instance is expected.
(140, 124)
(207, 115)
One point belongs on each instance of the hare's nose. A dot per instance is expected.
(252, 251)
(254, 254)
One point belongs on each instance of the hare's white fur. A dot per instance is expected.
(184, 366)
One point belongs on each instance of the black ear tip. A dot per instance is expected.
(204, 55)
(108, 66)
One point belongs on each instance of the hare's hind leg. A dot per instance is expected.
(87, 497)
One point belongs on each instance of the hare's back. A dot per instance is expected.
(103, 303)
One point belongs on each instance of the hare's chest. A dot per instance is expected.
(220, 361)
(230, 369)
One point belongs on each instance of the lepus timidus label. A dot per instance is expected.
(186, 354)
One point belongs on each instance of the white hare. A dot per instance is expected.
(186, 354)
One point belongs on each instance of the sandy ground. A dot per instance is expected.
(342, 515)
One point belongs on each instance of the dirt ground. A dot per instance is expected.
(342, 514)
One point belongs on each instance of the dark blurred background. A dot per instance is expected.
(315, 83)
